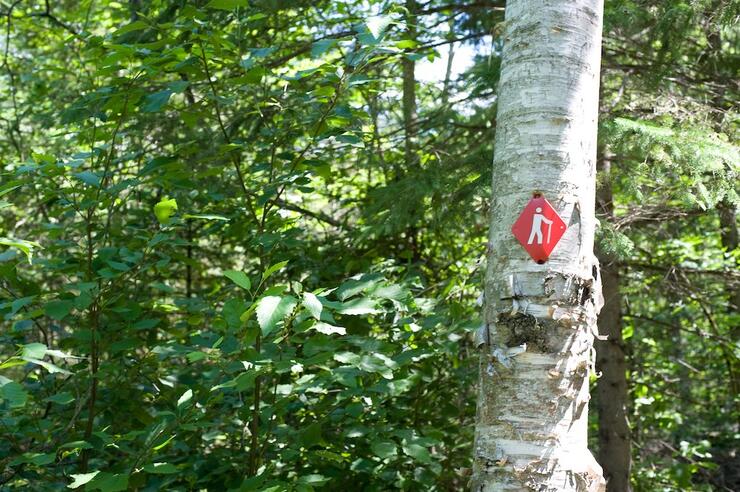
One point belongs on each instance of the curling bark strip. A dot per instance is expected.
(541, 318)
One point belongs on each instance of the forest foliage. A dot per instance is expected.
(233, 258)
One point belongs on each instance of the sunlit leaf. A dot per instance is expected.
(271, 310)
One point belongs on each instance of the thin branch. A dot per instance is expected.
(316, 215)
(730, 275)
(48, 15)
(464, 8)
(235, 157)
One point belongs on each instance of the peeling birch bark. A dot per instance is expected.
(541, 319)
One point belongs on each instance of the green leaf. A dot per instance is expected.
(165, 209)
(418, 452)
(227, 4)
(271, 310)
(88, 177)
(311, 435)
(328, 329)
(196, 356)
(163, 443)
(155, 102)
(145, 324)
(34, 350)
(161, 468)
(20, 303)
(39, 459)
(81, 479)
(406, 43)
(357, 307)
(313, 479)
(60, 354)
(239, 278)
(233, 310)
(76, 445)
(377, 25)
(322, 46)
(134, 26)
(46, 365)
(26, 247)
(61, 398)
(58, 309)
(13, 393)
(185, 398)
(313, 304)
(384, 449)
(109, 482)
(11, 362)
(274, 268)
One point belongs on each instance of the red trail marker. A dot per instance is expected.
(539, 228)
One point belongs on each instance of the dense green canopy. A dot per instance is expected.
(241, 246)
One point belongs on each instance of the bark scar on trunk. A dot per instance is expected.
(521, 328)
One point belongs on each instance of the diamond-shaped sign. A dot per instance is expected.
(539, 228)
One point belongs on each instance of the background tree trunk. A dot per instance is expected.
(409, 91)
(611, 389)
(540, 319)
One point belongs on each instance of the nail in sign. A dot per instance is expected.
(539, 228)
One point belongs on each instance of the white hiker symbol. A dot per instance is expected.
(537, 220)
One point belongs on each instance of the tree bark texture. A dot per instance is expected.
(540, 320)
(611, 389)
(729, 235)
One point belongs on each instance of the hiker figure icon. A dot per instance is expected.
(537, 220)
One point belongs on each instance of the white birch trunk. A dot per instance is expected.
(541, 319)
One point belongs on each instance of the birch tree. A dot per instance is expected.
(541, 318)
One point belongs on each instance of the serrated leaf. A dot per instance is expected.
(313, 304)
(271, 310)
(239, 278)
